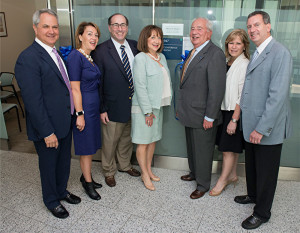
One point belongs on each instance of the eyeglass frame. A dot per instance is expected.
(116, 25)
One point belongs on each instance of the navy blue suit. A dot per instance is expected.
(47, 103)
(114, 90)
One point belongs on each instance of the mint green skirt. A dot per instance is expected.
(141, 133)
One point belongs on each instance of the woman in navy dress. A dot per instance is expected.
(85, 80)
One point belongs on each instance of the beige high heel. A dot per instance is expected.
(214, 193)
(148, 186)
(155, 178)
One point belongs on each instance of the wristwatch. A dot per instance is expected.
(234, 120)
(149, 114)
(79, 113)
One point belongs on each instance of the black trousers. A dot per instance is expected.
(200, 149)
(262, 166)
(54, 165)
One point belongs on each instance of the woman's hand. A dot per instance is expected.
(149, 120)
(231, 127)
(80, 122)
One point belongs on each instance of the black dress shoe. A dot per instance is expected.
(252, 222)
(96, 185)
(72, 199)
(60, 212)
(245, 199)
(90, 190)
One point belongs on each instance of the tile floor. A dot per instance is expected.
(129, 207)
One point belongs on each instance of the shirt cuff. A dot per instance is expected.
(209, 119)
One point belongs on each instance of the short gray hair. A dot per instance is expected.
(209, 24)
(37, 14)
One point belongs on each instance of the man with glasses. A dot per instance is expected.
(112, 57)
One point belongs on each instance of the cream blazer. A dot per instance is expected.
(235, 79)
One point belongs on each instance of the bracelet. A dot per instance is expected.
(149, 114)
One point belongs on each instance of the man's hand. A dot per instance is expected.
(255, 137)
(207, 124)
(104, 118)
(51, 141)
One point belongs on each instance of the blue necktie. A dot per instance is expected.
(126, 65)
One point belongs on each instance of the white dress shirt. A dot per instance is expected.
(127, 50)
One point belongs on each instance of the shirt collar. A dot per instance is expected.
(198, 49)
(264, 45)
(46, 47)
(118, 45)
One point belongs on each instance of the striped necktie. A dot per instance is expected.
(255, 56)
(126, 65)
(65, 77)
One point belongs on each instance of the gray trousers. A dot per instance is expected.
(200, 149)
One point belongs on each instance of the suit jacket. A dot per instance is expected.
(148, 82)
(44, 92)
(265, 98)
(114, 88)
(202, 90)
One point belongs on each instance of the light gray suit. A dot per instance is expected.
(265, 108)
(201, 93)
(265, 99)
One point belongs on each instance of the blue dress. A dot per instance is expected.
(88, 141)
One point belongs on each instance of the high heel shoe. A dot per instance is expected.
(96, 185)
(217, 193)
(148, 186)
(155, 178)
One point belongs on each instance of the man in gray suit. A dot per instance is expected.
(200, 96)
(266, 117)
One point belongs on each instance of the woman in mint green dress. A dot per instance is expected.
(152, 86)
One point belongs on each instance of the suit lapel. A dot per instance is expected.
(47, 58)
(195, 62)
(113, 52)
(261, 57)
(133, 48)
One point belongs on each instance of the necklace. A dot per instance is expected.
(84, 54)
(154, 58)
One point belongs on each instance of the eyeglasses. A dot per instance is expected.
(116, 25)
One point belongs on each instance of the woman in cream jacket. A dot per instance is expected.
(229, 137)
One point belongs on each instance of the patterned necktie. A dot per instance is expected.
(186, 64)
(65, 77)
(255, 56)
(126, 65)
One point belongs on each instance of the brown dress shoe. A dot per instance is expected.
(187, 178)
(110, 181)
(197, 194)
(132, 172)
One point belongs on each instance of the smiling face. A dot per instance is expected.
(118, 32)
(199, 32)
(47, 29)
(89, 39)
(154, 42)
(236, 47)
(258, 31)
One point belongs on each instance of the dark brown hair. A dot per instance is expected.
(244, 38)
(80, 30)
(145, 34)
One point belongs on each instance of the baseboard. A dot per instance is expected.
(178, 163)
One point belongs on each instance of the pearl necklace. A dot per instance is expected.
(87, 56)
(154, 58)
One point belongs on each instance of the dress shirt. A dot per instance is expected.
(127, 50)
(52, 55)
(263, 45)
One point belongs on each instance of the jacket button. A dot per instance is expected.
(130, 98)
